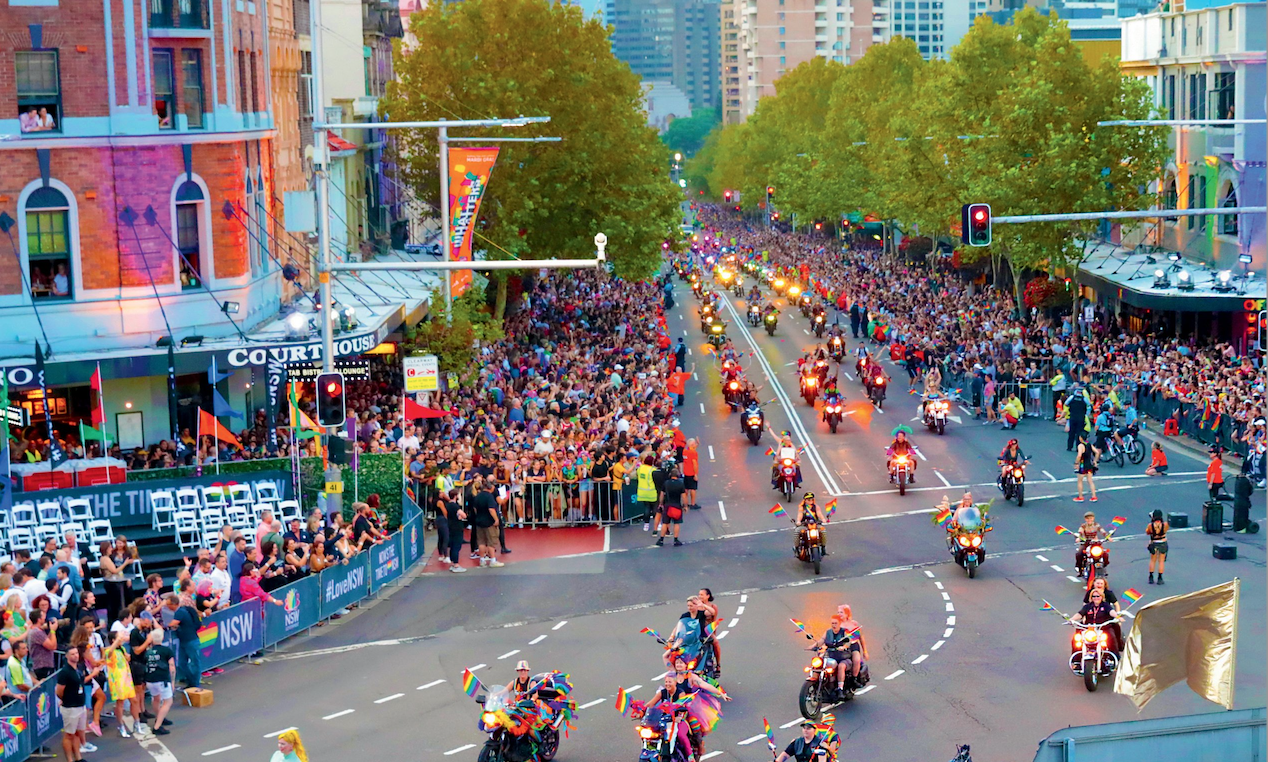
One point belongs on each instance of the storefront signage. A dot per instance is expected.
(17, 416)
(300, 353)
(352, 370)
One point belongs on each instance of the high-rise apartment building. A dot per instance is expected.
(673, 41)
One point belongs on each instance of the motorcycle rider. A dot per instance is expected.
(1010, 456)
(752, 409)
(754, 296)
(1103, 585)
(805, 747)
(709, 607)
(858, 645)
(688, 631)
(807, 509)
(1097, 611)
(838, 642)
(901, 446)
(1089, 531)
(519, 686)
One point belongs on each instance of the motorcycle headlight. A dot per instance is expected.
(902, 460)
(816, 662)
(489, 719)
(814, 533)
(1097, 550)
(811, 381)
(754, 421)
(770, 317)
(717, 329)
(977, 541)
(818, 318)
(788, 461)
(1104, 639)
(1089, 636)
(1017, 472)
(964, 541)
(646, 733)
(734, 386)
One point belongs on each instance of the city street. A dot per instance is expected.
(964, 661)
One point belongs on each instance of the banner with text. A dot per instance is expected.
(44, 715)
(14, 733)
(385, 562)
(300, 609)
(231, 634)
(469, 171)
(412, 540)
(342, 586)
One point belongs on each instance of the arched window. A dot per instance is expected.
(1170, 198)
(1228, 222)
(189, 203)
(48, 244)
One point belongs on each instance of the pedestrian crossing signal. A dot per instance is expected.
(975, 224)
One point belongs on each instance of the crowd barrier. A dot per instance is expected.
(244, 629)
(555, 504)
(1226, 432)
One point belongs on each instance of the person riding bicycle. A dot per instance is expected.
(901, 446)
(1104, 426)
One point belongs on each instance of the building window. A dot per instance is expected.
(48, 244)
(39, 90)
(1225, 95)
(164, 92)
(1170, 198)
(781, 30)
(192, 84)
(255, 86)
(1171, 96)
(242, 81)
(1193, 200)
(1200, 201)
(1228, 222)
(783, 45)
(189, 234)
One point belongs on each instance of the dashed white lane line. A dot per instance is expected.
(864, 690)
(743, 598)
(508, 654)
(386, 699)
(277, 733)
(722, 510)
(803, 330)
(432, 684)
(928, 574)
(895, 674)
(1073, 578)
(943, 478)
(710, 755)
(222, 749)
(788, 725)
(938, 585)
(1051, 478)
(688, 351)
(946, 596)
(947, 634)
(464, 747)
(751, 739)
(937, 645)
(950, 606)
(919, 658)
(950, 621)
(633, 688)
(1041, 558)
(739, 610)
(481, 665)
(1057, 568)
(734, 622)
(920, 454)
(536, 640)
(702, 408)
(848, 376)
(695, 377)
(723, 634)
(561, 624)
(589, 704)
(660, 677)
(710, 452)
(337, 715)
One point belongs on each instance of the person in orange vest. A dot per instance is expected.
(679, 439)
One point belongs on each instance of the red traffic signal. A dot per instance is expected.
(727, 196)
(331, 410)
(770, 190)
(975, 224)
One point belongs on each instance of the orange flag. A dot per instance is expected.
(209, 426)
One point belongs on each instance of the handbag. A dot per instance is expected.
(673, 512)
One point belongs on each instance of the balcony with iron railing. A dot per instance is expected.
(179, 14)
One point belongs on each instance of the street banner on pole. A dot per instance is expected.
(469, 171)
(56, 455)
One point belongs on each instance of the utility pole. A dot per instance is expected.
(446, 237)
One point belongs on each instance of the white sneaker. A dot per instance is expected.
(456, 569)
(496, 564)
(646, 526)
(142, 729)
(483, 562)
(87, 747)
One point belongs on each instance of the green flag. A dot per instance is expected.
(88, 432)
(297, 416)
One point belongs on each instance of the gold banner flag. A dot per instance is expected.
(1189, 637)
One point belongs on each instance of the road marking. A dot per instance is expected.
(561, 624)
(966, 410)
(386, 699)
(950, 621)
(222, 748)
(864, 690)
(633, 688)
(947, 634)
(803, 330)
(748, 741)
(463, 748)
(283, 730)
(1073, 578)
(1051, 478)
(1057, 568)
(928, 574)
(536, 640)
(788, 725)
(919, 658)
(710, 755)
(481, 665)
(739, 611)
(508, 654)
(702, 408)
(938, 585)
(721, 507)
(688, 351)
(1041, 558)
(723, 634)
(336, 715)
(896, 674)
(943, 478)
(946, 597)
(847, 375)
(589, 704)
(950, 607)
(937, 645)
(710, 452)
(874, 407)
(734, 622)
(660, 677)
(744, 598)
(695, 376)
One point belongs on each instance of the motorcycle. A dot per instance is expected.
(518, 731)
(771, 321)
(811, 546)
(662, 731)
(936, 411)
(731, 393)
(1090, 654)
(900, 472)
(786, 479)
(805, 305)
(737, 288)
(832, 411)
(1095, 559)
(966, 548)
(753, 427)
(818, 326)
(1012, 482)
(819, 689)
(836, 348)
(876, 392)
(717, 333)
(810, 388)
(754, 315)
(779, 285)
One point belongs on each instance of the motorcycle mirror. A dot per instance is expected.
(481, 699)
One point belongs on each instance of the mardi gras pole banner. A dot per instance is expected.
(469, 171)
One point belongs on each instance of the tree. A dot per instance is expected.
(687, 135)
(505, 58)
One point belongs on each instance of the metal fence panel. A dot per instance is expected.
(44, 714)
(385, 562)
(300, 609)
(344, 584)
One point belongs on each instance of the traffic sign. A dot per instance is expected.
(422, 374)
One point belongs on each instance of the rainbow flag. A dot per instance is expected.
(17, 723)
(770, 734)
(830, 508)
(1062, 530)
(942, 517)
(711, 627)
(622, 701)
(470, 685)
(770, 451)
(778, 510)
(649, 631)
(1046, 607)
(1132, 595)
(1118, 521)
(801, 626)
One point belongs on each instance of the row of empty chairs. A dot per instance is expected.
(196, 514)
(32, 524)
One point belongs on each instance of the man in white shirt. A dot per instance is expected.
(220, 582)
(34, 588)
(7, 590)
(544, 445)
(408, 440)
(61, 283)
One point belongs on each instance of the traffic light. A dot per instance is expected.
(775, 216)
(975, 224)
(330, 400)
(818, 226)
(770, 191)
(727, 196)
(337, 452)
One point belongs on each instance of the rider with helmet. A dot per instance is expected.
(901, 446)
(1010, 456)
(808, 510)
(1104, 426)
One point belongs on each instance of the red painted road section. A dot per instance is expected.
(533, 545)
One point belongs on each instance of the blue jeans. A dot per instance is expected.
(187, 664)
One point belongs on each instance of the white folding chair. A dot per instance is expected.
(49, 512)
(211, 519)
(81, 531)
(187, 531)
(188, 499)
(79, 509)
(287, 510)
(163, 509)
(240, 494)
(22, 538)
(240, 516)
(209, 539)
(44, 533)
(6, 521)
(24, 515)
(99, 531)
(266, 492)
(249, 534)
(214, 497)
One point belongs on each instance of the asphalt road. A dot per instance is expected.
(953, 660)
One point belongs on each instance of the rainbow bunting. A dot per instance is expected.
(470, 684)
(1118, 521)
(770, 734)
(1132, 595)
(1046, 607)
(1063, 530)
(778, 510)
(622, 701)
(801, 626)
(830, 508)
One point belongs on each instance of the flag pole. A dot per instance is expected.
(198, 444)
(101, 403)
